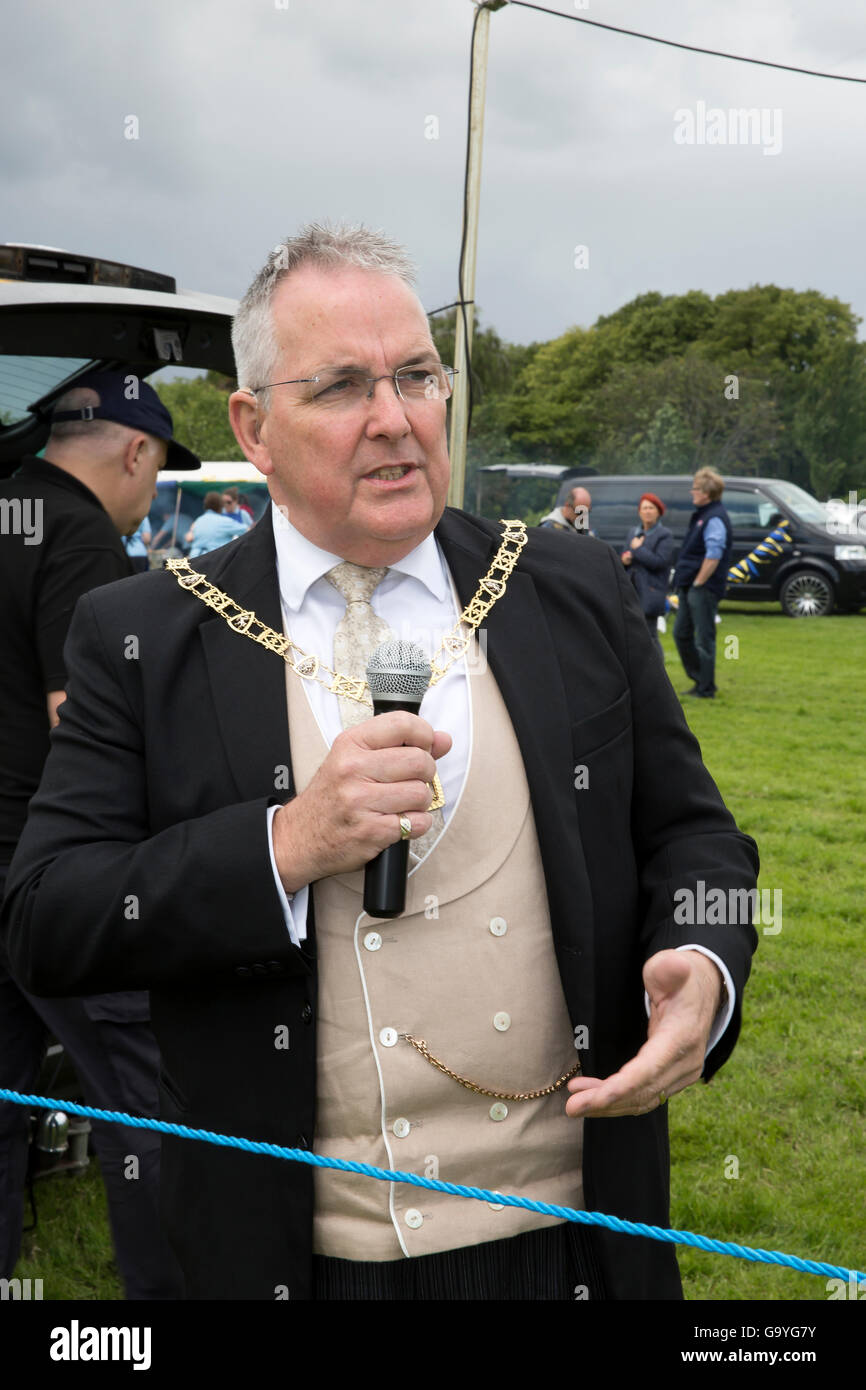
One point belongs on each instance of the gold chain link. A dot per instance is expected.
(244, 621)
(421, 1046)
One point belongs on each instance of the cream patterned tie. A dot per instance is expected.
(359, 632)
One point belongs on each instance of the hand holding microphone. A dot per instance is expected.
(375, 773)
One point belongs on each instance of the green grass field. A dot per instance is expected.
(785, 741)
(782, 743)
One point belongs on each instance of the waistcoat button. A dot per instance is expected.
(498, 926)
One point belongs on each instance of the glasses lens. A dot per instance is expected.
(430, 381)
(335, 390)
(338, 389)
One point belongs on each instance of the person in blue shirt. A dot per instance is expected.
(137, 544)
(232, 507)
(212, 529)
(700, 578)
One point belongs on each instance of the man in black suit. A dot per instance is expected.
(343, 409)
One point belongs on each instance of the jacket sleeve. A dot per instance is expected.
(95, 900)
(657, 557)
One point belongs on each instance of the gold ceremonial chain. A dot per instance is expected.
(308, 667)
(243, 620)
(420, 1046)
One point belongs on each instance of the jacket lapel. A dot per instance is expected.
(248, 681)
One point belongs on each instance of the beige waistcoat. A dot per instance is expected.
(469, 967)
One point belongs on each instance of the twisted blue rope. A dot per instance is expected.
(479, 1194)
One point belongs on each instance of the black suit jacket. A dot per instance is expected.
(145, 863)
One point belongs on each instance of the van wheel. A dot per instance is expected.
(807, 594)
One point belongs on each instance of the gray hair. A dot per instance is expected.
(710, 482)
(254, 337)
(103, 431)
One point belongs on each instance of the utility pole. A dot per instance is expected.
(466, 312)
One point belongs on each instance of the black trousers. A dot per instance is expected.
(695, 636)
(555, 1264)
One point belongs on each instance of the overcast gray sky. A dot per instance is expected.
(255, 116)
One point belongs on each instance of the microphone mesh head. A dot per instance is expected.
(398, 668)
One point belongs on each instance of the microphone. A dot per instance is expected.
(398, 674)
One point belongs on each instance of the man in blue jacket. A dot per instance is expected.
(700, 578)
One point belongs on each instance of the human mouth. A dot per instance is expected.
(390, 473)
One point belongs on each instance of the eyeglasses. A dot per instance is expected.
(344, 390)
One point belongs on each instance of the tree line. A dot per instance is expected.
(759, 382)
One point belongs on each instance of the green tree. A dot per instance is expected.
(830, 420)
(683, 413)
(668, 445)
(550, 414)
(654, 326)
(592, 395)
(495, 365)
(786, 331)
(199, 409)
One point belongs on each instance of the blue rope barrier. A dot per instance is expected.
(478, 1194)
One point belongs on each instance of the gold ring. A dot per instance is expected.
(662, 1098)
(405, 827)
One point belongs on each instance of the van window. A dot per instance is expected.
(614, 515)
(747, 509)
(800, 502)
(24, 379)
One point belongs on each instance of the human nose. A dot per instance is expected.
(372, 382)
(387, 409)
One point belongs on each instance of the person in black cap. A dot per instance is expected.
(110, 435)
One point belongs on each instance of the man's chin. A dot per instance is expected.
(398, 518)
(389, 533)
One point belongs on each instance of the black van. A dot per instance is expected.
(821, 569)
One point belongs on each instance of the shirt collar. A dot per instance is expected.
(300, 563)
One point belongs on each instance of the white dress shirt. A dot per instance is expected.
(416, 599)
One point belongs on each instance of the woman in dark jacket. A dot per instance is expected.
(647, 556)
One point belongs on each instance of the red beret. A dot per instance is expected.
(656, 501)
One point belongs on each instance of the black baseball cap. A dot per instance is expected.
(128, 400)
